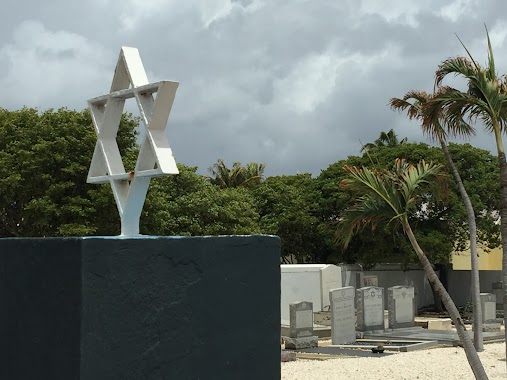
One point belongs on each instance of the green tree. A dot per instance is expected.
(382, 244)
(44, 160)
(390, 196)
(286, 207)
(485, 101)
(186, 204)
(367, 249)
(413, 102)
(389, 139)
(440, 228)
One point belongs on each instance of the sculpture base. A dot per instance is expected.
(140, 308)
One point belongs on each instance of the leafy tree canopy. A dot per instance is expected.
(439, 222)
(44, 160)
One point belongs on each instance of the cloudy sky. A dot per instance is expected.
(295, 84)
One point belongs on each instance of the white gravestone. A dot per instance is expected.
(155, 155)
(370, 308)
(488, 303)
(343, 318)
(401, 306)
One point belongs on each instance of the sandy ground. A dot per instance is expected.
(438, 363)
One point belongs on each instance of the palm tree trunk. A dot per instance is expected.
(503, 217)
(471, 353)
(472, 227)
(503, 227)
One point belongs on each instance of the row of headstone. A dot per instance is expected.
(369, 304)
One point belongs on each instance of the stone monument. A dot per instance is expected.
(301, 326)
(132, 306)
(343, 317)
(370, 308)
(401, 306)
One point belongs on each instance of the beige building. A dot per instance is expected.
(491, 260)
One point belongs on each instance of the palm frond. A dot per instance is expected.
(456, 66)
(491, 59)
(385, 195)
(367, 147)
(413, 176)
(366, 181)
(368, 212)
(415, 110)
(452, 107)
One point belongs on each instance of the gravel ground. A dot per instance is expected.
(439, 363)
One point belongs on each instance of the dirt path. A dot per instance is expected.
(439, 363)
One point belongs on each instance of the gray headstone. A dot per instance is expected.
(370, 308)
(488, 305)
(401, 306)
(301, 319)
(370, 280)
(343, 318)
(359, 280)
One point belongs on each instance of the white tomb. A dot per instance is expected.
(308, 282)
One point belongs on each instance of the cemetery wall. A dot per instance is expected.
(393, 275)
(459, 284)
(140, 308)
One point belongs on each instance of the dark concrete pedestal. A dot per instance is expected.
(140, 308)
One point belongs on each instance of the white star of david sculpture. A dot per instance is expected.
(155, 155)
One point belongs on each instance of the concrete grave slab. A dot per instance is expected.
(449, 338)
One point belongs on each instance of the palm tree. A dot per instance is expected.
(385, 139)
(436, 132)
(224, 177)
(253, 174)
(245, 176)
(389, 196)
(485, 101)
